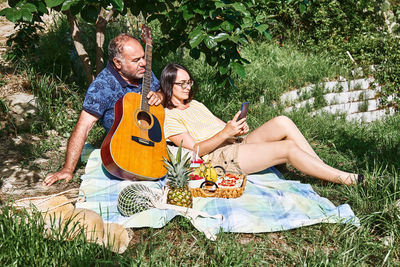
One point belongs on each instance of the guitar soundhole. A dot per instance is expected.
(144, 119)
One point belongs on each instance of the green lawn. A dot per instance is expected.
(369, 148)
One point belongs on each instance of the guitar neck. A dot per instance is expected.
(146, 84)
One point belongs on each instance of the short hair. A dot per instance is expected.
(116, 45)
(167, 80)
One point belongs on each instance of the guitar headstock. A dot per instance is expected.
(146, 35)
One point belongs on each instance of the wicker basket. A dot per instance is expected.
(225, 192)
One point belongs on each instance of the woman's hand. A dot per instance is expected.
(245, 128)
(235, 128)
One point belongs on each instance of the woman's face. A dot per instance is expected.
(182, 86)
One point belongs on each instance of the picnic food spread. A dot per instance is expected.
(230, 180)
(206, 181)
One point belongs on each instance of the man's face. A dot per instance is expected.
(132, 65)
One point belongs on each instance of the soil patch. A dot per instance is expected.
(25, 158)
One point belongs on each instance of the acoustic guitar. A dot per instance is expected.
(135, 146)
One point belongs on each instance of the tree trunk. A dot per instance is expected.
(101, 24)
(80, 49)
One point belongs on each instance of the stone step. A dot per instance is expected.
(349, 108)
(338, 98)
(335, 86)
(370, 116)
(352, 113)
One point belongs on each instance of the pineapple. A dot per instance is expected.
(178, 179)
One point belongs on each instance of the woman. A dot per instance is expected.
(275, 142)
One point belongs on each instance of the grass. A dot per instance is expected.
(372, 149)
(273, 70)
(23, 244)
(58, 103)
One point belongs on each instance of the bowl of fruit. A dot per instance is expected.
(195, 180)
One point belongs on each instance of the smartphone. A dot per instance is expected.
(243, 109)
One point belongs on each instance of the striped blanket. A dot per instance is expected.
(269, 203)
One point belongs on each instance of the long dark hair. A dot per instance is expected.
(167, 80)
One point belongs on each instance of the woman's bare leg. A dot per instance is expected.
(281, 128)
(257, 157)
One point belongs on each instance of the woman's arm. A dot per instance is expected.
(205, 146)
(232, 128)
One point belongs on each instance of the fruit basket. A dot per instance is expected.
(227, 186)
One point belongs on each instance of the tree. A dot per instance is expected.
(215, 28)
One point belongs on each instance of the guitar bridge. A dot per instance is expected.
(142, 141)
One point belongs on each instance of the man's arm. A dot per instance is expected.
(74, 148)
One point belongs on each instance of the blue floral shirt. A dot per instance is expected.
(106, 89)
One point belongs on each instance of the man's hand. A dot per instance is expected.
(74, 148)
(53, 177)
(155, 98)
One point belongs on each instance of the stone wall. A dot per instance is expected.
(358, 99)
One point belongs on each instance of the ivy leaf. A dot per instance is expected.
(67, 5)
(118, 4)
(223, 69)
(239, 7)
(186, 15)
(3, 12)
(238, 68)
(247, 22)
(220, 4)
(30, 7)
(196, 37)
(26, 14)
(227, 26)
(234, 38)
(214, 25)
(302, 8)
(53, 3)
(260, 17)
(261, 28)
(199, 11)
(210, 42)
(42, 8)
(266, 33)
(221, 37)
(12, 14)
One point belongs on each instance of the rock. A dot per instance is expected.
(22, 108)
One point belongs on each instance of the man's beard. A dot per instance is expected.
(130, 76)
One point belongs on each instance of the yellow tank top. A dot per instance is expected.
(197, 120)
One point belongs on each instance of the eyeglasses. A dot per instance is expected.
(185, 85)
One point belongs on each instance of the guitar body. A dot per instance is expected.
(135, 146)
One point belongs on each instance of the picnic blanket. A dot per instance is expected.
(269, 203)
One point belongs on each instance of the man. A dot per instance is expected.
(123, 74)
